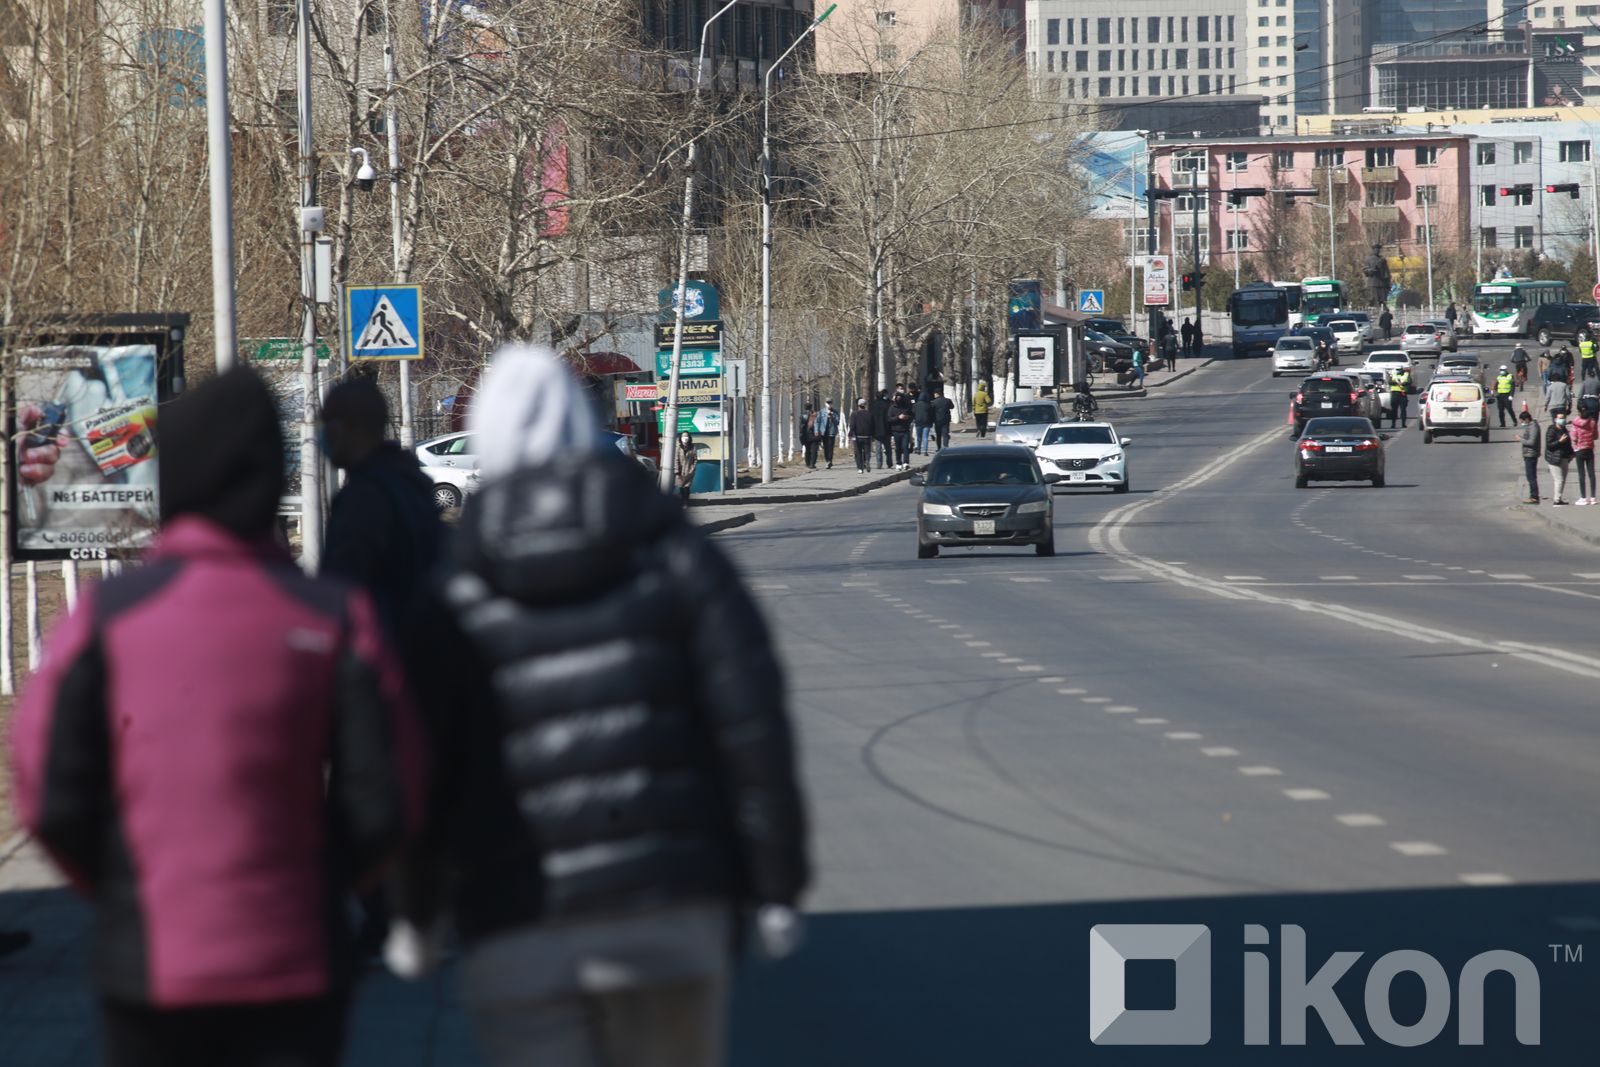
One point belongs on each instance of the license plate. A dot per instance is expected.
(1077, 476)
(1340, 448)
(983, 527)
(1327, 403)
(1455, 411)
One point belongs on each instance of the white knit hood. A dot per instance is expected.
(529, 410)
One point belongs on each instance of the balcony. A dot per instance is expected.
(1319, 175)
(1380, 213)
(1379, 175)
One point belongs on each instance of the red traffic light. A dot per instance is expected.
(1506, 190)
(1570, 188)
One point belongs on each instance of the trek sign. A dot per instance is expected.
(1187, 946)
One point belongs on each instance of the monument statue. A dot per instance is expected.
(1376, 270)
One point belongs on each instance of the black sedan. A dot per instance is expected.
(1339, 450)
(987, 495)
(1105, 353)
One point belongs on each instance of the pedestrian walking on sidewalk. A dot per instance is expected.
(1558, 454)
(1560, 366)
(1504, 383)
(1582, 430)
(1531, 440)
(1138, 366)
(1199, 336)
(1386, 322)
(808, 436)
(1451, 314)
(861, 435)
(688, 461)
(617, 782)
(1557, 396)
(902, 417)
(943, 410)
(1169, 348)
(217, 750)
(1188, 337)
(880, 429)
(922, 418)
(828, 431)
(980, 408)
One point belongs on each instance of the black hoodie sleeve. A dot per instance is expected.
(741, 692)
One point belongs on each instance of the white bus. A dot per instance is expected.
(1503, 306)
(1293, 291)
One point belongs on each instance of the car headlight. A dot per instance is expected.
(1033, 507)
(1115, 457)
(937, 509)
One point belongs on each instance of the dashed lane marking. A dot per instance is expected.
(1072, 692)
(1361, 819)
(1054, 679)
(1122, 709)
(1121, 577)
(1424, 577)
(1306, 794)
(1030, 668)
(978, 644)
(1260, 772)
(1418, 848)
(1031, 581)
(1341, 578)
(1183, 735)
(945, 581)
(1512, 577)
(1219, 751)
(993, 655)
(1587, 575)
(1241, 577)
(1151, 722)
(1487, 878)
(1095, 700)
(1011, 659)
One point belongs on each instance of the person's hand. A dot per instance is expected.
(779, 929)
(35, 464)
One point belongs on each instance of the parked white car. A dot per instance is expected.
(1294, 355)
(1085, 454)
(452, 465)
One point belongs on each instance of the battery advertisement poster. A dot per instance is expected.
(86, 455)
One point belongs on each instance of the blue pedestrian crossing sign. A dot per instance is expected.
(383, 322)
(1091, 301)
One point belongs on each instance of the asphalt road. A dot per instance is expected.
(1366, 712)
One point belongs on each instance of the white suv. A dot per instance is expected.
(1346, 334)
(1455, 408)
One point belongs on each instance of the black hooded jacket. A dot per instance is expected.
(384, 533)
(608, 706)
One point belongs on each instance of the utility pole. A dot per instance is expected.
(219, 146)
(669, 447)
(1153, 239)
(1427, 233)
(397, 236)
(310, 226)
(1333, 254)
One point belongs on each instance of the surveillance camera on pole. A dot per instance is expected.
(366, 176)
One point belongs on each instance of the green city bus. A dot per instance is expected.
(1503, 306)
(1320, 299)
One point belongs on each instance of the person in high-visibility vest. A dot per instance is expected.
(1586, 354)
(1504, 384)
(1399, 397)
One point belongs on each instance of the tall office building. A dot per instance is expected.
(1414, 21)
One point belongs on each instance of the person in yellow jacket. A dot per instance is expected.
(1586, 357)
(1399, 397)
(1504, 384)
(981, 402)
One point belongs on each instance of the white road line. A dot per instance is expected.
(979, 644)
(1011, 659)
(950, 626)
(1487, 878)
(1122, 577)
(856, 585)
(1587, 575)
(1361, 819)
(1095, 700)
(993, 655)
(1031, 581)
(1030, 668)
(1424, 577)
(1341, 578)
(1306, 794)
(1512, 577)
(1242, 577)
(960, 636)
(1418, 848)
(1052, 680)
(1183, 735)
(1072, 692)
(1260, 772)
(1122, 709)
(945, 581)
(1151, 722)
(1475, 572)
(1218, 751)
(1177, 563)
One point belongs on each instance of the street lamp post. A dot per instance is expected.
(1427, 234)
(220, 149)
(766, 246)
(396, 234)
(310, 226)
(669, 448)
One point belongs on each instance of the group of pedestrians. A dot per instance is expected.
(1573, 408)
(559, 732)
(899, 425)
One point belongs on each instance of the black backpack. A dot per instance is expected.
(1589, 406)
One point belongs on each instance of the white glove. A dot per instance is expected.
(410, 953)
(780, 930)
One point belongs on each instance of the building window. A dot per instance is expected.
(1264, 21)
(1486, 196)
(1188, 164)
(1283, 101)
(1133, 30)
(1524, 237)
(1238, 162)
(1283, 160)
(1284, 22)
(1283, 42)
(1202, 30)
(1261, 42)
(1283, 79)
(280, 18)
(1183, 28)
(1427, 155)
(1080, 61)
(1203, 56)
(1180, 58)
(888, 53)
(1379, 195)
(1428, 194)
(1050, 62)
(1122, 60)
(1521, 199)
(1190, 203)
(1380, 157)
(1122, 31)
(1574, 151)
(887, 18)
(1052, 28)
(1134, 61)
(1238, 240)
(1488, 238)
(1522, 152)
(1102, 60)
(1105, 86)
(1230, 27)
(1427, 234)
(1231, 63)
(1486, 153)
(1155, 86)
(1184, 82)
(1103, 31)
(1122, 86)
(1283, 61)
(1330, 157)
(1069, 31)
(1262, 62)
(1283, 120)
(1152, 29)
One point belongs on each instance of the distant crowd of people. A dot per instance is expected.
(557, 732)
(1571, 400)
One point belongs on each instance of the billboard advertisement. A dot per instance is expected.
(1157, 283)
(1036, 360)
(86, 455)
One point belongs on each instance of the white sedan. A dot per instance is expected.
(1084, 453)
(1388, 360)
(451, 463)
(1347, 335)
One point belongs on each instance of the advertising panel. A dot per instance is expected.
(1156, 282)
(86, 450)
(1036, 360)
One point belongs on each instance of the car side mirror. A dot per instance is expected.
(917, 479)
(1052, 479)
(1124, 441)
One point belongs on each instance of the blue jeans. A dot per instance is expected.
(922, 438)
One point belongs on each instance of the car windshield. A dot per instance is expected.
(1287, 343)
(1484, 303)
(1422, 329)
(1462, 393)
(983, 470)
(1338, 427)
(1096, 335)
(1325, 385)
(1027, 414)
(1386, 357)
(1079, 435)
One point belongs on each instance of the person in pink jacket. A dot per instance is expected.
(216, 751)
(1582, 428)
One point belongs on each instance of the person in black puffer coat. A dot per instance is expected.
(617, 777)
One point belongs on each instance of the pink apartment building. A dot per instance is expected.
(1387, 190)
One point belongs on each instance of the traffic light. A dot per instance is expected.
(1194, 281)
(1237, 197)
(1570, 188)
(1516, 190)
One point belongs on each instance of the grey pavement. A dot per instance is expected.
(1367, 713)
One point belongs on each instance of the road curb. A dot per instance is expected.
(1117, 393)
(1554, 523)
(801, 498)
(728, 523)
